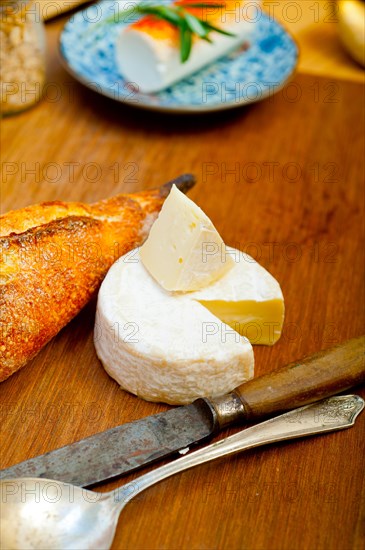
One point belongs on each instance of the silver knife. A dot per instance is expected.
(130, 446)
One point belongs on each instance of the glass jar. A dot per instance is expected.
(22, 55)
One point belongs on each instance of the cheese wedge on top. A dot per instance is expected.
(184, 251)
(176, 347)
(148, 51)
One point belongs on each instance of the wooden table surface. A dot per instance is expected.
(281, 179)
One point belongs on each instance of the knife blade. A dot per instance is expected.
(121, 449)
(130, 446)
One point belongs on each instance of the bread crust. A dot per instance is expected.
(54, 258)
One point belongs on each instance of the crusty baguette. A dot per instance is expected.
(54, 258)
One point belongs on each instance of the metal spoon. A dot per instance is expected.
(47, 514)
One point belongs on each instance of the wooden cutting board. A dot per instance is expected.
(282, 179)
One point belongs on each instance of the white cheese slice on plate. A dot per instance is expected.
(167, 346)
(148, 51)
(184, 251)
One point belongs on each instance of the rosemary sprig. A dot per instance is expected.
(188, 25)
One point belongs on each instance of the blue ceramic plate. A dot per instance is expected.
(244, 76)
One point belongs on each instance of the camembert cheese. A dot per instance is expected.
(175, 347)
(248, 299)
(184, 251)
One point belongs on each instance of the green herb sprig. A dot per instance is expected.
(189, 25)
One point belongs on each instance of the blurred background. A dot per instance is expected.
(330, 34)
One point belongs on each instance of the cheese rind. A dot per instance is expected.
(175, 347)
(162, 346)
(184, 251)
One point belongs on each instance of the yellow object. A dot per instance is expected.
(184, 251)
(260, 322)
(351, 18)
(248, 299)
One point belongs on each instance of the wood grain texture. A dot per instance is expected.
(294, 201)
(310, 379)
(315, 28)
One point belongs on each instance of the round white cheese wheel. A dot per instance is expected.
(165, 346)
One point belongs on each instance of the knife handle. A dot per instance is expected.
(300, 383)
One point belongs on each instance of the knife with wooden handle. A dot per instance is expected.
(133, 445)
